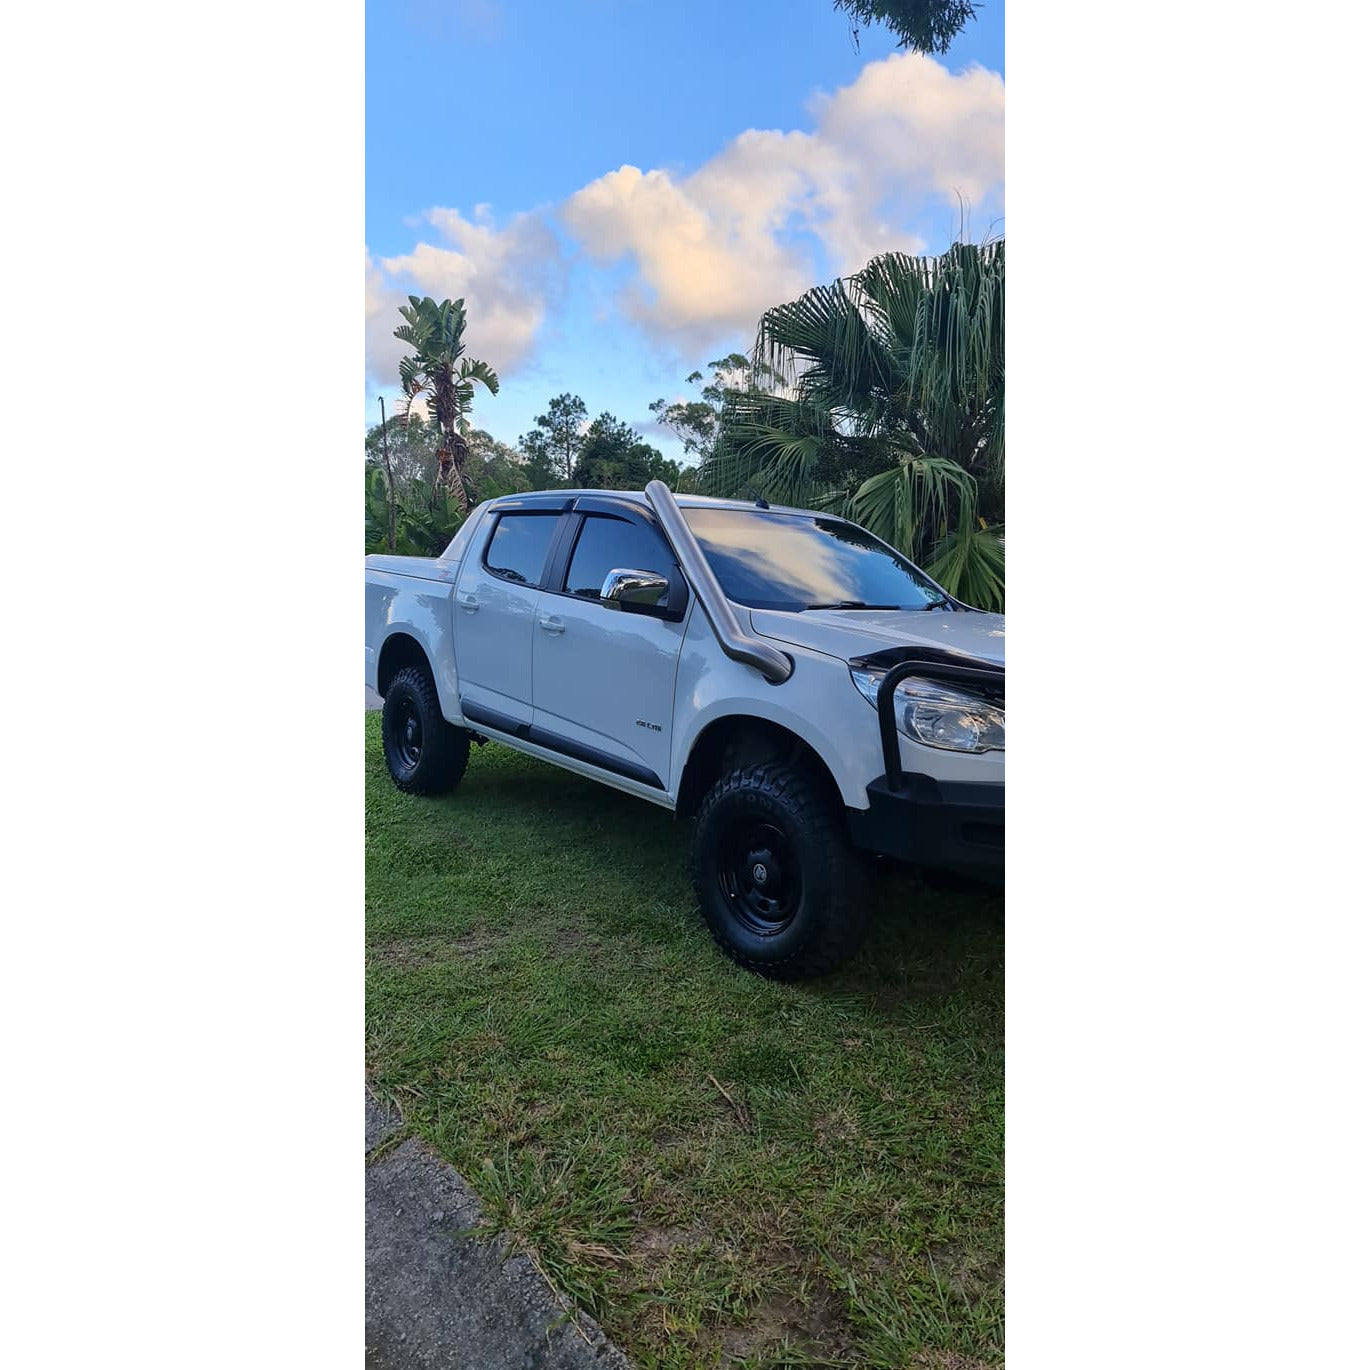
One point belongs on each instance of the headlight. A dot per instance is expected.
(937, 716)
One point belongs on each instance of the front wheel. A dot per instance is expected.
(425, 753)
(779, 884)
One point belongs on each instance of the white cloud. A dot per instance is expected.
(382, 349)
(775, 211)
(768, 216)
(699, 264)
(507, 275)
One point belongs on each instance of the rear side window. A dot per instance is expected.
(518, 548)
(608, 544)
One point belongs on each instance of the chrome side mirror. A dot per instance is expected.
(636, 589)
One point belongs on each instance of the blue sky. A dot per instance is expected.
(620, 187)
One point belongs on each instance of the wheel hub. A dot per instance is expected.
(410, 739)
(759, 875)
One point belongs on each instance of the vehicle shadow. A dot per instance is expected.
(932, 934)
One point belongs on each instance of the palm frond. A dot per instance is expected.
(473, 370)
(911, 505)
(970, 562)
(892, 403)
(774, 445)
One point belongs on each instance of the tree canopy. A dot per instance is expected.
(613, 456)
(891, 410)
(438, 373)
(554, 443)
(923, 25)
(696, 423)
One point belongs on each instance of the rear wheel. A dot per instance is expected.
(425, 753)
(778, 882)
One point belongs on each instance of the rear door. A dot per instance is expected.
(493, 612)
(604, 679)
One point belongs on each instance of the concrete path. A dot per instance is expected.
(373, 700)
(437, 1298)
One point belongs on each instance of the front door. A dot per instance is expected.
(604, 679)
(493, 612)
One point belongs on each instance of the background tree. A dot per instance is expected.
(426, 512)
(440, 374)
(413, 448)
(613, 456)
(427, 516)
(554, 443)
(892, 411)
(402, 452)
(541, 464)
(923, 25)
(497, 468)
(696, 423)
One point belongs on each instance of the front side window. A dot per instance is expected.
(608, 544)
(518, 548)
(802, 561)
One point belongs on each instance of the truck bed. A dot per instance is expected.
(419, 568)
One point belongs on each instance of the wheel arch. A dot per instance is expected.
(742, 739)
(399, 650)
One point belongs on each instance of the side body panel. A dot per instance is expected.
(710, 686)
(605, 680)
(403, 603)
(492, 625)
(818, 703)
(413, 595)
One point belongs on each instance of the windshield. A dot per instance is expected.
(803, 561)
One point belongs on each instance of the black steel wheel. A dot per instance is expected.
(778, 882)
(409, 733)
(759, 874)
(425, 753)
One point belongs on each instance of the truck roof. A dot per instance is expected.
(639, 497)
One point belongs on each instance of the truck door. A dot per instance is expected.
(604, 679)
(493, 612)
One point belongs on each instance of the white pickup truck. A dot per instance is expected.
(796, 687)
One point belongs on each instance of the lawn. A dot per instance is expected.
(724, 1171)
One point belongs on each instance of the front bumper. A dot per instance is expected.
(941, 824)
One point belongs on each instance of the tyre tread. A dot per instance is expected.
(446, 748)
(846, 919)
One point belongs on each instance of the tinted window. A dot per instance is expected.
(794, 561)
(607, 544)
(519, 546)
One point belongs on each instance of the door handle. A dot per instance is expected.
(468, 602)
(551, 624)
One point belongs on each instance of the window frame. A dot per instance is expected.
(677, 596)
(558, 519)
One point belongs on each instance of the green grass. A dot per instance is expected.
(546, 1008)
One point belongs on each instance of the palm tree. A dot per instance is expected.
(891, 411)
(438, 372)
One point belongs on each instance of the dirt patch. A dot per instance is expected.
(661, 1241)
(816, 1326)
(667, 1139)
(947, 1360)
(417, 953)
(967, 1273)
(577, 938)
(836, 1129)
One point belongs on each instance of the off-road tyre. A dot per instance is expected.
(816, 880)
(425, 753)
